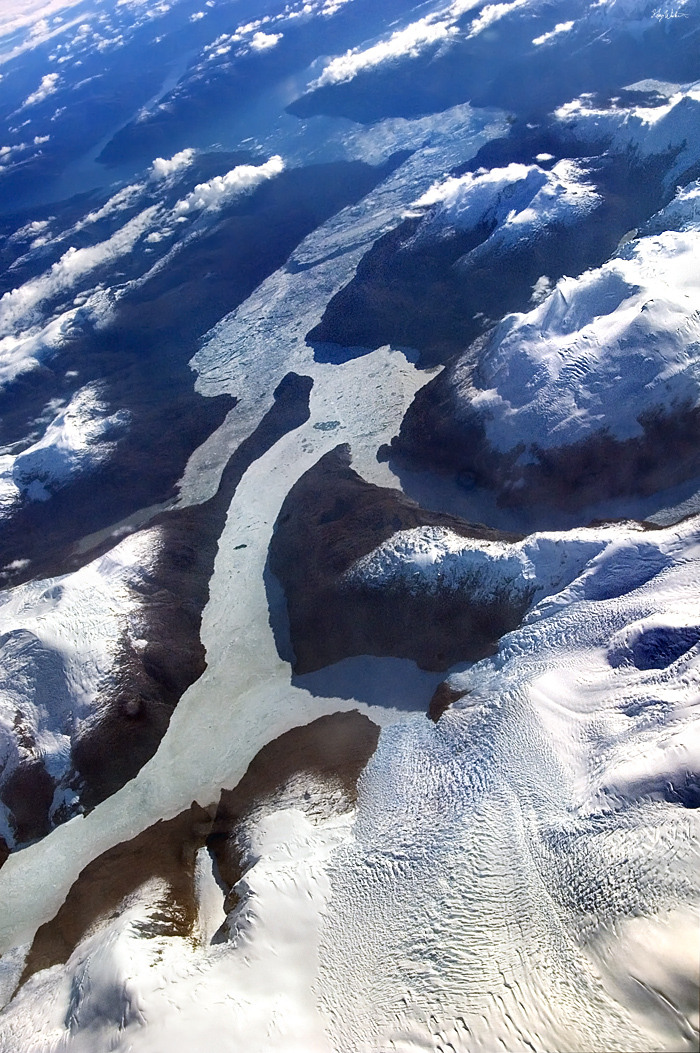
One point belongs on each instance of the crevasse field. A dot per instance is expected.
(349, 526)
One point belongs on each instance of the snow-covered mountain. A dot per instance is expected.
(567, 754)
(593, 393)
(349, 519)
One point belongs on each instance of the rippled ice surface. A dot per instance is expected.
(519, 877)
(520, 869)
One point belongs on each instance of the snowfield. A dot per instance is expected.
(517, 865)
(58, 642)
(518, 202)
(600, 352)
(666, 129)
(433, 559)
(75, 442)
(525, 869)
(575, 766)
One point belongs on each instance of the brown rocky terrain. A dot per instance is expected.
(439, 432)
(330, 518)
(145, 683)
(332, 750)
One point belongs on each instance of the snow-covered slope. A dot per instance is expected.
(682, 212)
(594, 392)
(434, 559)
(601, 351)
(75, 442)
(59, 642)
(518, 202)
(520, 871)
(524, 871)
(575, 766)
(668, 128)
(252, 993)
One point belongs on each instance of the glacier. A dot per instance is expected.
(211, 837)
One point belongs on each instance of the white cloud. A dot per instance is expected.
(7, 153)
(329, 7)
(493, 13)
(250, 35)
(158, 235)
(20, 14)
(196, 16)
(221, 189)
(404, 42)
(30, 18)
(25, 351)
(122, 199)
(111, 42)
(28, 24)
(162, 167)
(39, 29)
(561, 27)
(26, 334)
(460, 7)
(541, 289)
(29, 230)
(18, 307)
(48, 86)
(264, 41)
